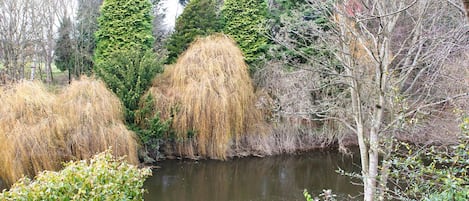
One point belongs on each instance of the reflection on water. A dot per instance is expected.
(256, 179)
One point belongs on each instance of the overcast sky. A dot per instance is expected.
(171, 9)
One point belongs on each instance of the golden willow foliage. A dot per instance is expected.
(39, 130)
(210, 97)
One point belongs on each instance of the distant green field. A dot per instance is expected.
(56, 73)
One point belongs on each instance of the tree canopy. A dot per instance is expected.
(198, 19)
(245, 21)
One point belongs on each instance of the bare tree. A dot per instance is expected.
(17, 25)
(87, 24)
(389, 57)
(50, 12)
(28, 30)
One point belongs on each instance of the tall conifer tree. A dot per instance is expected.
(198, 19)
(124, 57)
(245, 21)
(64, 49)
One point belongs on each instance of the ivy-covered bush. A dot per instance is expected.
(101, 178)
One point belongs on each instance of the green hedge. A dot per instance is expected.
(101, 178)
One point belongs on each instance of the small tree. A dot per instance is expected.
(245, 21)
(198, 19)
(124, 57)
(64, 50)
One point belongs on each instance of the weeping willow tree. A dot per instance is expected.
(209, 96)
(40, 130)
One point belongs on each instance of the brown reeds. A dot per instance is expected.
(210, 97)
(39, 130)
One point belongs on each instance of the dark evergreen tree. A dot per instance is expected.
(292, 19)
(64, 50)
(124, 58)
(245, 21)
(198, 19)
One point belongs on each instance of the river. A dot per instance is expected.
(258, 179)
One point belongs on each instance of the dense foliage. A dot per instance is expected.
(245, 21)
(128, 74)
(124, 57)
(123, 26)
(292, 28)
(198, 19)
(150, 128)
(101, 178)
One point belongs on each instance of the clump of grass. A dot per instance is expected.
(39, 130)
(95, 121)
(29, 128)
(209, 96)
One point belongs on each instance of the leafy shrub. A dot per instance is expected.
(128, 74)
(430, 173)
(150, 128)
(101, 178)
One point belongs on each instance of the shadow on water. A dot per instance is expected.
(271, 178)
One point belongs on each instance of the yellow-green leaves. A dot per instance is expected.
(101, 178)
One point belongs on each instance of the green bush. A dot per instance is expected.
(129, 74)
(431, 173)
(101, 178)
(150, 128)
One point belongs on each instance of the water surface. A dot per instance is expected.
(257, 179)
